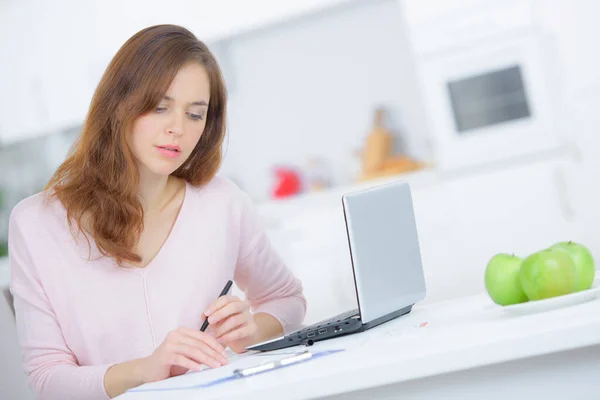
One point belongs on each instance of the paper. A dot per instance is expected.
(393, 333)
(213, 376)
(382, 335)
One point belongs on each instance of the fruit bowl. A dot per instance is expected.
(534, 306)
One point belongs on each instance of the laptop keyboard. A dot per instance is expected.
(337, 318)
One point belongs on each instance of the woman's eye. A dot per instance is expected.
(195, 117)
(160, 109)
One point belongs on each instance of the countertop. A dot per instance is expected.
(461, 334)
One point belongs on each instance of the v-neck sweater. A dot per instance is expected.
(78, 312)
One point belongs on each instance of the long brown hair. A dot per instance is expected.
(97, 183)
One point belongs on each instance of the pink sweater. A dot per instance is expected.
(76, 317)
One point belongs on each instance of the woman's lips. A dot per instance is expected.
(171, 151)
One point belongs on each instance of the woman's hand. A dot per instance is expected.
(183, 349)
(232, 323)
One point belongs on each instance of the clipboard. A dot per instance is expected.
(242, 373)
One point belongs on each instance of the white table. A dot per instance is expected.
(470, 349)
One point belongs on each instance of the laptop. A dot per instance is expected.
(386, 263)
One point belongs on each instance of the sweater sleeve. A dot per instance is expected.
(269, 285)
(52, 369)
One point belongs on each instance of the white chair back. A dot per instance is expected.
(13, 382)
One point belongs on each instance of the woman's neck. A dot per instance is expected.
(155, 191)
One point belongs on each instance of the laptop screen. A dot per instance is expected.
(384, 248)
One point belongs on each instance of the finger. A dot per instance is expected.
(228, 310)
(205, 348)
(184, 362)
(203, 337)
(220, 303)
(233, 322)
(197, 354)
(237, 334)
(212, 331)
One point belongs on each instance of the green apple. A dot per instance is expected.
(584, 263)
(502, 280)
(548, 273)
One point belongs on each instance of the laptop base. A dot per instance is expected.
(329, 331)
(388, 317)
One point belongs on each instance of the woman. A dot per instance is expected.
(116, 264)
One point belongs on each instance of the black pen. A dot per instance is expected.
(223, 293)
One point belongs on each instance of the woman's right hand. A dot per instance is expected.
(183, 349)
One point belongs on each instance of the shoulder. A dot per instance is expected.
(225, 198)
(35, 211)
(222, 190)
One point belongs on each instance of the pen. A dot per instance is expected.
(223, 293)
(298, 358)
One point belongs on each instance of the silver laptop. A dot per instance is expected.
(386, 263)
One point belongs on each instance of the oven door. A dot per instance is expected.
(492, 102)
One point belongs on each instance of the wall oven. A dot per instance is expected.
(490, 83)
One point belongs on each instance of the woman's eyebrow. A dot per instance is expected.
(193, 103)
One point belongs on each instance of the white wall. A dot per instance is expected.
(309, 88)
(575, 24)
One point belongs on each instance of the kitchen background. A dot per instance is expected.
(487, 108)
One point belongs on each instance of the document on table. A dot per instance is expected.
(212, 376)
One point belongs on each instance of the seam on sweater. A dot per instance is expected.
(148, 311)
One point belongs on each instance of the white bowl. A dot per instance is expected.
(552, 303)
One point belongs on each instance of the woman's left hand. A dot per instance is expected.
(232, 323)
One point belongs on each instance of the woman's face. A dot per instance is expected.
(164, 138)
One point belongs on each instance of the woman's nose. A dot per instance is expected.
(176, 125)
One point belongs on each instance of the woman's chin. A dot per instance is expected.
(159, 167)
(163, 170)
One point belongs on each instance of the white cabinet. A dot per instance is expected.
(53, 53)
(66, 81)
(43, 77)
(232, 17)
(464, 221)
(437, 25)
(111, 22)
(313, 244)
(21, 107)
(491, 79)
